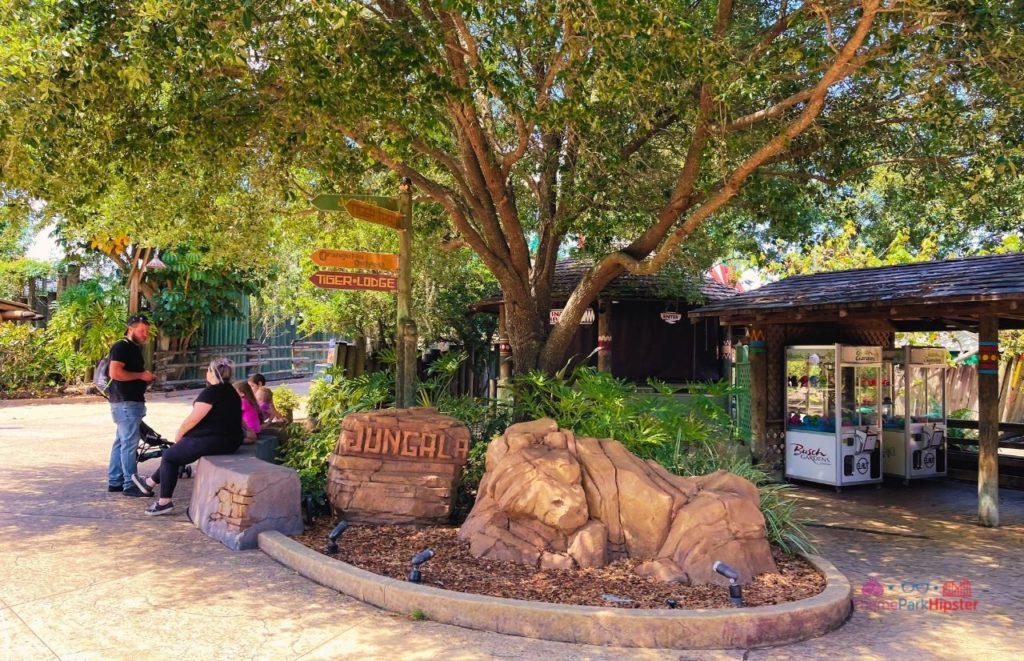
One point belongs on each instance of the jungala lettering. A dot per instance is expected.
(426, 445)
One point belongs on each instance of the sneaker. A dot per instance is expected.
(140, 482)
(156, 509)
(114, 488)
(135, 492)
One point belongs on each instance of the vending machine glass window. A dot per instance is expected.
(894, 419)
(926, 396)
(810, 389)
(860, 395)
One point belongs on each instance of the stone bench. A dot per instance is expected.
(264, 448)
(236, 497)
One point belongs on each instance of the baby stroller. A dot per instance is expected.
(152, 446)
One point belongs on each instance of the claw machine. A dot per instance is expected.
(914, 413)
(833, 414)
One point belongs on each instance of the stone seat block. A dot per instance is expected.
(236, 497)
(264, 448)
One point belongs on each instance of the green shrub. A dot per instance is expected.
(286, 401)
(596, 404)
(307, 453)
(27, 362)
(965, 434)
(87, 319)
(328, 403)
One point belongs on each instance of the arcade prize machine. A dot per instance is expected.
(914, 413)
(832, 421)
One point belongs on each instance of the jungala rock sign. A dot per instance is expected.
(397, 466)
(401, 443)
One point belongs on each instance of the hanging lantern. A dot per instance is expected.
(155, 264)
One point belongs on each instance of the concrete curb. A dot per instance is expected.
(656, 628)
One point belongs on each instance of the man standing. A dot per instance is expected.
(128, 379)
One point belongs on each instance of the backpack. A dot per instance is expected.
(101, 376)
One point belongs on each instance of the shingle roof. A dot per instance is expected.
(568, 273)
(627, 286)
(986, 278)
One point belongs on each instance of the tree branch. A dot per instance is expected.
(841, 67)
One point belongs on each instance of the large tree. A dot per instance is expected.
(635, 123)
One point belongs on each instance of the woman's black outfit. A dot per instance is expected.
(219, 432)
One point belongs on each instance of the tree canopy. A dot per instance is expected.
(651, 128)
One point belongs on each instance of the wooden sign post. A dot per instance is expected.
(354, 281)
(396, 214)
(345, 259)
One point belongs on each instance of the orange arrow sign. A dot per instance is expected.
(345, 259)
(339, 280)
(373, 214)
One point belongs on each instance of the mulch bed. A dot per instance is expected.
(386, 550)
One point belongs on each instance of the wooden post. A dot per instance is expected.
(604, 336)
(504, 355)
(359, 365)
(758, 393)
(405, 388)
(988, 421)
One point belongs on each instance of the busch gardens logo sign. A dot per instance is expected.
(814, 455)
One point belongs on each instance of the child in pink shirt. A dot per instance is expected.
(250, 409)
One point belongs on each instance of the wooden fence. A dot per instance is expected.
(178, 368)
(962, 390)
(303, 358)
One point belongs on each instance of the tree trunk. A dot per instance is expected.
(526, 334)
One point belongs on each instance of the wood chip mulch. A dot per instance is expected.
(387, 550)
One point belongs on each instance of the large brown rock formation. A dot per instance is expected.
(549, 499)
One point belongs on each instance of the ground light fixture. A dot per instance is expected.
(332, 538)
(735, 591)
(426, 554)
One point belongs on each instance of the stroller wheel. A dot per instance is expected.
(188, 471)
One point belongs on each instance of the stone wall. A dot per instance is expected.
(397, 466)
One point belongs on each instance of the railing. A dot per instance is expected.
(1011, 433)
(180, 368)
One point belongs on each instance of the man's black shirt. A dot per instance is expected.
(129, 353)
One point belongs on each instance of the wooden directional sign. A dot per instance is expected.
(355, 260)
(374, 214)
(360, 281)
(336, 201)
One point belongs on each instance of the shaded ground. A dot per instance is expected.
(387, 550)
(85, 574)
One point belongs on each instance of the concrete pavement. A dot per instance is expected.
(85, 574)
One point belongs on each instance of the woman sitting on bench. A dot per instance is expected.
(213, 427)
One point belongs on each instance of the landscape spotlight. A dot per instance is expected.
(426, 554)
(735, 591)
(332, 538)
(672, 603)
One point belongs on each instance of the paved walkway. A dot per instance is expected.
(85, 574)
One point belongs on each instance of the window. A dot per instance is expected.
(810, 389)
